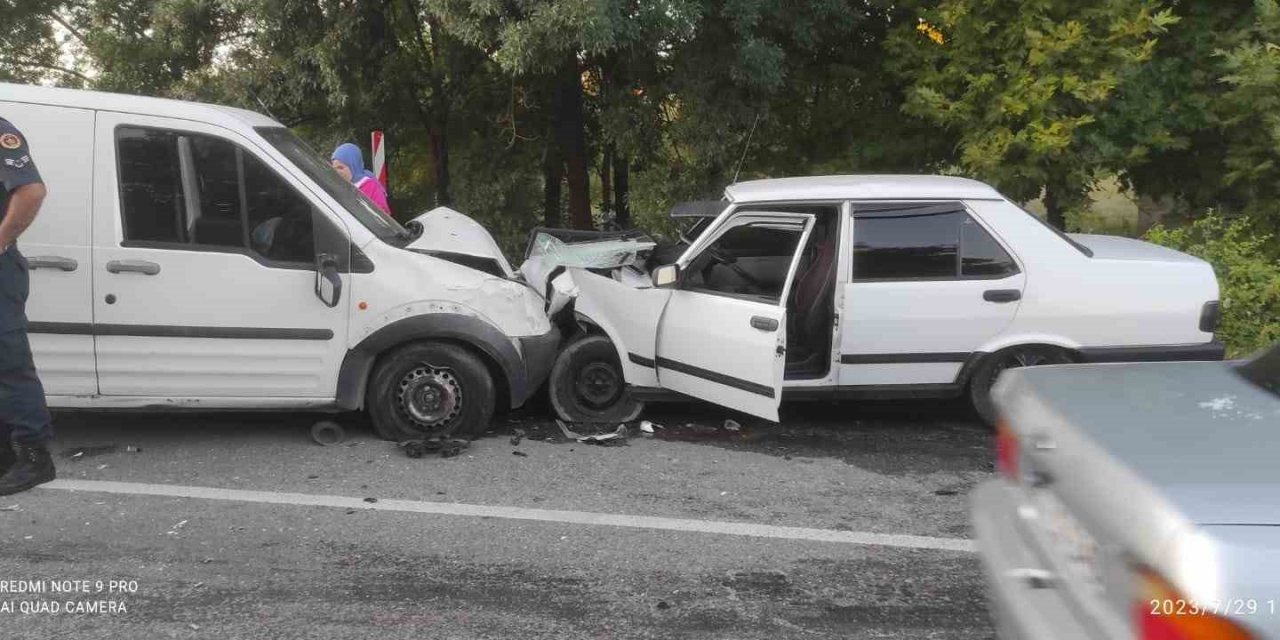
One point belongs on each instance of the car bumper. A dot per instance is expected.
(1019, 607)
(1156, 353)
(539, 354)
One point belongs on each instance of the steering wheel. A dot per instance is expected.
(729, 261)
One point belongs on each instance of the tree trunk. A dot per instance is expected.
(606, 179)
(573, 143)
(440, 118)
(552, 175)
(622, 191)
(1055, 207)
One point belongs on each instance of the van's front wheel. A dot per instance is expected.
(586, 384)
(430, 389)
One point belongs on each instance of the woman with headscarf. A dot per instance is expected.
(347, 161)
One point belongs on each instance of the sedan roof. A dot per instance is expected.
(861, 187)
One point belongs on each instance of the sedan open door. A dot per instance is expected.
(723, 335)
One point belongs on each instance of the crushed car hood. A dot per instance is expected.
(451, 235)
(621, 253)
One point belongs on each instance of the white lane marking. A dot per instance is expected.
(520, 513)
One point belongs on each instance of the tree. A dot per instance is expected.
(1024, 86)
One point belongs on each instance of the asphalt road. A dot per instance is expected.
(689, 558)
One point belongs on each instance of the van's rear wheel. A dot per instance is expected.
(984, 376)
(586, 384)
(430, 389)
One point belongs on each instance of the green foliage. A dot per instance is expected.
(1249, 276)
(1023, 85)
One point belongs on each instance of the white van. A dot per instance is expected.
(199, 256)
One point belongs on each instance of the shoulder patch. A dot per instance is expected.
(10, 141)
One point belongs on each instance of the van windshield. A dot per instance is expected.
(344, 192)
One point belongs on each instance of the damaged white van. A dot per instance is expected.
(199, 256)
(856, 287)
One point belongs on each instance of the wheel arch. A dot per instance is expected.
(994, 348)
(495, 349)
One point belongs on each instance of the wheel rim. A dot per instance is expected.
(1023, 358)
(598, 385)
(429, 396)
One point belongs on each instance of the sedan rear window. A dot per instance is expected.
(1264, 370)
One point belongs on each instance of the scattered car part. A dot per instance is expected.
(327, 432)
(617, 436)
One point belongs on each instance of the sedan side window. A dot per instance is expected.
(189, 191)
(750, 259)
(924, 242)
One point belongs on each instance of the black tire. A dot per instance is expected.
(430, 389)
(587, 385)
(987, 371)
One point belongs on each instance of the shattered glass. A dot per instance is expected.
(601, 254)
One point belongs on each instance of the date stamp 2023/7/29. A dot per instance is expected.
(1228, 607)
(62, 596)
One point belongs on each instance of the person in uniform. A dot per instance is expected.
(25, 425)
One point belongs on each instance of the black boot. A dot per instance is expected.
(34, 467)
(7, 458)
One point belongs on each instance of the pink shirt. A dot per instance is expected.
(372, 188)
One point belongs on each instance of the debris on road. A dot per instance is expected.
(453, 447)
(12, 507)
(371, 500)
(80, 453)
(327, 432)
(691, 432)
(447, 448)
(648, 427)
(615, 437)
(520, 453)
(732, 425)
(517, 437)
(565, 430)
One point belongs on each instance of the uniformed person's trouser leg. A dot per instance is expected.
(23, 415)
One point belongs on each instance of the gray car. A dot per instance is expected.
(1135, 501)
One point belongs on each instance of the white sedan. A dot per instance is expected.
(853, 287)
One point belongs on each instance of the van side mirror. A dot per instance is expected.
(666, 276)
(328, 280)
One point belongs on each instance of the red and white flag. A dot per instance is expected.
(379, 158)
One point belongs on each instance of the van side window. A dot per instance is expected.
(151, 193)
(924, 242)
(184, 190)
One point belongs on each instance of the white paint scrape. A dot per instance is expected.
(520, 513)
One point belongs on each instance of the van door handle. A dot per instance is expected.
(764, 324)
(133, 266)
(1002, 295)
(52, 262)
